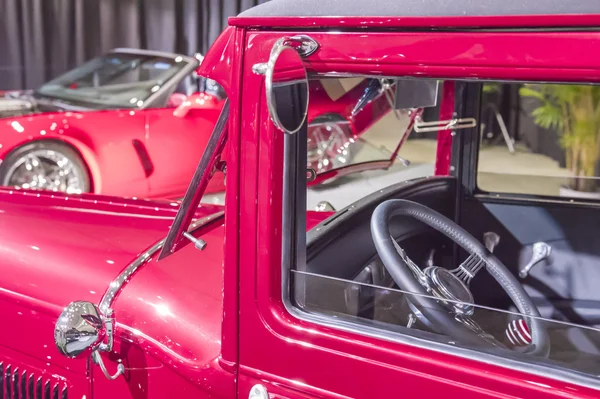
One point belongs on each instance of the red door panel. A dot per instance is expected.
(295, 358)
(175, 145)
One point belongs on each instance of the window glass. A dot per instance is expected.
(336, 272)
(372, 301)
(115, 80)
(353, 134)
(541, 139)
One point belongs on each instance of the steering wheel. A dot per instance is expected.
(442, 299)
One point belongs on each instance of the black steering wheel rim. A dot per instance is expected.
(444, 322)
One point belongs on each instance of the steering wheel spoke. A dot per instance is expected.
(469, 268)
(416, 270)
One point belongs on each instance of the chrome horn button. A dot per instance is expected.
(448, 287)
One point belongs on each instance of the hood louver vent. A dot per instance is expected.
(16, 383)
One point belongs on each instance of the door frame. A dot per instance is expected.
(294, 354)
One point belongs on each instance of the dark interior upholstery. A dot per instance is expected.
(345, 239)
(341, 246)
(566, 284)
(563, 289)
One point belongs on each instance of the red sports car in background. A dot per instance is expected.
(108, 126)
(135, 123)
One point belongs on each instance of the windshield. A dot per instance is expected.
(115, 80)
(355, 134)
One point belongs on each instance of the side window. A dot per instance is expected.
(540, 139)
(335, 273)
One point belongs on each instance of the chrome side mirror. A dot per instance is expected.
(81, 330)
(286, 84)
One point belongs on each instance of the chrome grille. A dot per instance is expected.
(17, 383)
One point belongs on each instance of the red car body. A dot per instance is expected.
(213, 324)
(150, 151)
(127, 151)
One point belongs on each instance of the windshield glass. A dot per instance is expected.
(356, 136)
(116, 80)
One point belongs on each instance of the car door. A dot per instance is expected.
(289, 351)
(175, 145)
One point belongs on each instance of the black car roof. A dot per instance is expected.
(420, 8)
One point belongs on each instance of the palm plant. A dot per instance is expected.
(574, 112)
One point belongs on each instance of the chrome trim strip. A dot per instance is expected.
(119, 283)
(533, 199)
(166, 54)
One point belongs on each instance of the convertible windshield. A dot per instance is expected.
(115, 80)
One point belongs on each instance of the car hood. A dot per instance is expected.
(57, 248)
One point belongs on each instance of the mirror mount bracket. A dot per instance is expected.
(97, 359)
(109, 321)
(303, 44)
(260, 68)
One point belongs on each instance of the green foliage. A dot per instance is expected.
(574, 112)
(491, 87)
(548, 116)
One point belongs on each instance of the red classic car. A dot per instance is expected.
(468, 274)
(114, 124)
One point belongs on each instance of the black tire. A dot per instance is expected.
(78, 167)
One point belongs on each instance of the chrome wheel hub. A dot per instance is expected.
(328, 147)
(45, 170)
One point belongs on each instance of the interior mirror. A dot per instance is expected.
(287, 88)
(416, 93)
(80, 330)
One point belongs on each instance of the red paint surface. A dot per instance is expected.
(444, 137)
(213, 323)
(104, 139)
